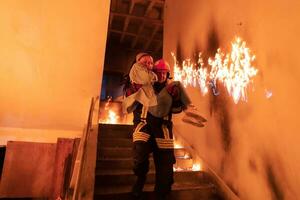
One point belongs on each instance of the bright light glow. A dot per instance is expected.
(112, 117)
(186, 156)
(177, 169)
(234, 70)
(196, 167)
(268, 93)
(109, 116)
(177, 146)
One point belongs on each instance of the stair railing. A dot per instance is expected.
(75, 190)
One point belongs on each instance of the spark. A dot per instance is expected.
(234, 70)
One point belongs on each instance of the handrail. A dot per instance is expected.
(80, 158)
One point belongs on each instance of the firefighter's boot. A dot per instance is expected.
(137, 189)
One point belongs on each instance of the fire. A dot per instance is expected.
(177, 145)
(109, 116)
(196, 167)
(234, 70)
(186, 156)
(177, 169)
(112, 117)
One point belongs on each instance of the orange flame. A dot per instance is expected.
(196, 167)
(110, 116)
(177, 145)
(234, 70)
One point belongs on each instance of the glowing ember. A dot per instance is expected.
(268, 93)
(196, 167)
(234, 70)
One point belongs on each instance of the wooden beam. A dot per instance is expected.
(111, 17)
(113, 5)
(149, 7)
(133, 44)
(156, 1)
(131, 6)
(152, 52)
(128, 33)
(127, 19)
(151, 38)
(153, 21)
(121, 32)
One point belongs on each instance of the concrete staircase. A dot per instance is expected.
(114, 176)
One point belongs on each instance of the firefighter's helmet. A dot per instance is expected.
(161, 66)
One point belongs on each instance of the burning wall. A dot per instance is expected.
(252, 145)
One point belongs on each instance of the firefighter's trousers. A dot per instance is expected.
(154, 137)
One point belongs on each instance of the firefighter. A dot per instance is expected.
(153, 133)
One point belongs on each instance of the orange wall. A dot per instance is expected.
(51, 63)
(256, 148)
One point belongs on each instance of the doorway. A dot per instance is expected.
(134, 26)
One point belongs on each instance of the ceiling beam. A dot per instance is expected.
(127, 19)
(149, 7)
(113, 5)
(124, 29)
(156, 1)
(151, 38)
(153, 21)
(111, 17)
(133, 44)
(128, 33)
(131, 6)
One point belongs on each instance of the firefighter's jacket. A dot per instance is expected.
(156, 121)
(165, 101)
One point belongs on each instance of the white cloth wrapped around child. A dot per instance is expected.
(139, 74)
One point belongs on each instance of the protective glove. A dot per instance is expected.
(192, 116)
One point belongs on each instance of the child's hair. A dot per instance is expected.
(140, 55)
(128, 87)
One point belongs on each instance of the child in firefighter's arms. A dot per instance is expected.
(142, 78)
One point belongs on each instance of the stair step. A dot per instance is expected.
(120, 163)
(114, 175)
(119, 177)
(124, 152)
(118, 189)
(127, 163)
(114, 131)
(179, 191)
(115, 142)
(113, 152)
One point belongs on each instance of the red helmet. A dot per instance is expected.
(161, 66)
